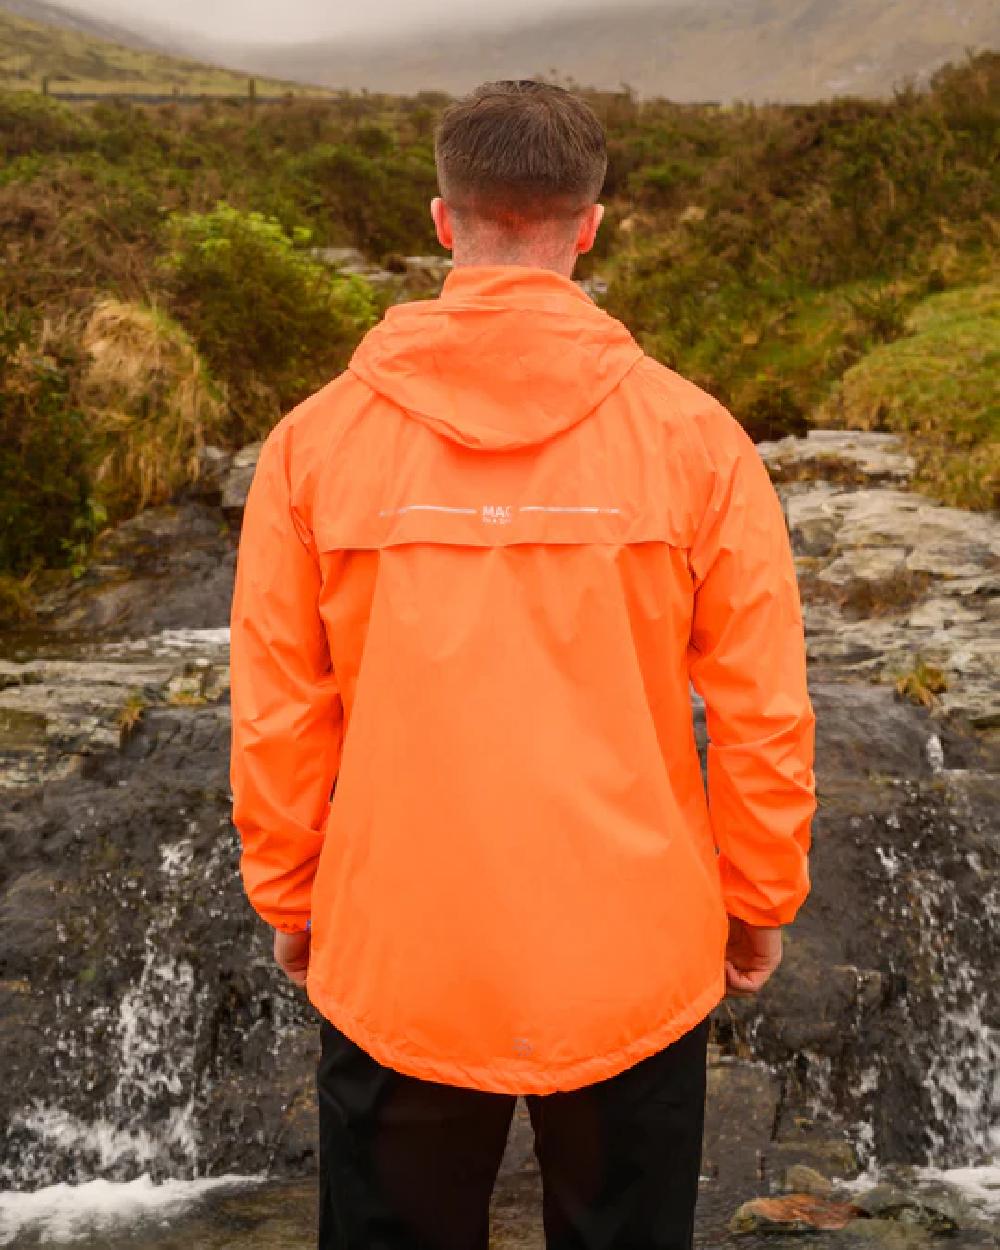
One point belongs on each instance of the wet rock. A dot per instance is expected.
(844, 456)
(213, 465)
(808, 1145)
(346, 259)
(885, 1202)
(595, 287)
(155, 1011)
(168, 568)
(236, 485)
(742, 1100)
(426, 274)
(82, 705)
(801, 1179)
(796, 1213)
(890, 579)
(401, 277)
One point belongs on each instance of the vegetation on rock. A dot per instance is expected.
(151, 405)
(941, 382)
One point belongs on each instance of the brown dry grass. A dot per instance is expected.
(152, 403)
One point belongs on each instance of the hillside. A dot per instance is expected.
(40, 41)
(794, 50)
(72, 19)
(168, 277)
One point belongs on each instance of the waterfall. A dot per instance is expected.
(918, 1081)
(150, 1041)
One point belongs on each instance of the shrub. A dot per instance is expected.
(381, 201)
(46, 505)
(31, 124)
(271, 322)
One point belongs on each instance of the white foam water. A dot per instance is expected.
(979, 1186)
(155, 1040)
(62, 1214)
(190, 639)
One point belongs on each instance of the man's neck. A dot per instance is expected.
(491, 259)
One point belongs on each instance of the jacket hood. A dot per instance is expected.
(507, 357)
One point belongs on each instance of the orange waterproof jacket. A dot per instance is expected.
(478, 574)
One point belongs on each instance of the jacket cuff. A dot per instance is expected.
(291, 926)
(763, 917)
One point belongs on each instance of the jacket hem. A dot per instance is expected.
(518, 1077)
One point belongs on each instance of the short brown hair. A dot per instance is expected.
(521, 150)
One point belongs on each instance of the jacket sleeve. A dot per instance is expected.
(287, 712)
(747, 661)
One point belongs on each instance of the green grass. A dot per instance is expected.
(940, 385)
(72, 61)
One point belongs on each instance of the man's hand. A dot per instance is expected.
(291, 954)
(752, 954)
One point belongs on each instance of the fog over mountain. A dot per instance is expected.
(685, 49)
(267, 21)
(695, 50)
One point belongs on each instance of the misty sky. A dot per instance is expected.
(288, 20)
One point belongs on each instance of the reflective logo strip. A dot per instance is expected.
(588, 511)
(434, 507)
(429, 507)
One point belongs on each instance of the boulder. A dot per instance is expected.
(802, 1179)
(890, 579)
(794, 1213)
(236, 484)
(886, 1202)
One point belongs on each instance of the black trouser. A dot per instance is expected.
(410, 1165)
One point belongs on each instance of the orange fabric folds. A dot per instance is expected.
(478, 576)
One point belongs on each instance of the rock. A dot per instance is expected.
(213, 465)
(405, 276)
(77, 709)
(796, 1213)
(236, 485)
(868, 564)
(827, 1156)
(158, 1004)
(854, 456)
(801, 1179)
(346, 259)
(742, 1101)
(885, 1202)
(435, 267)
(595, 286)
(167, 568)
(891, 579)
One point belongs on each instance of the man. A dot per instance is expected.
(478, 574)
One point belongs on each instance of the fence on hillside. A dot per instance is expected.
(252, 95)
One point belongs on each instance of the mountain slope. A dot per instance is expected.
(705, 50)
(71, 19)
(79, 54)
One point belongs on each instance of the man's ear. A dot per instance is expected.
(589, 227)
(441, 215)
